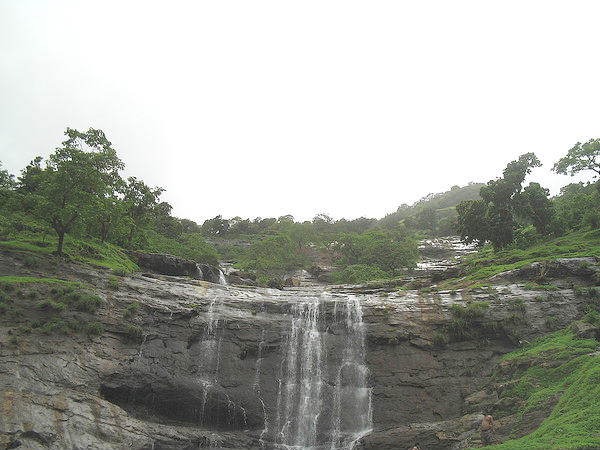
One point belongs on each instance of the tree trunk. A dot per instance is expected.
(61, 238)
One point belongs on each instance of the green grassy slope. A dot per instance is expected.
(574, 423)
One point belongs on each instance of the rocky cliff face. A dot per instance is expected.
(206, 365)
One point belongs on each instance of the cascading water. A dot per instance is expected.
(222, 279)
(352, 396)
(299, 401)
(211, 344)
(309, 414)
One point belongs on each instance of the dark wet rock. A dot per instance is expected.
(210, 273)
(113, 392)
(164, 264)
(562, 268)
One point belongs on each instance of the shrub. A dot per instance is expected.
(52, 305)
(468, 322)
(94, 328)
(83, 301)
(113, 283)
(551, 322)
(29, 261)
(579, 291)
(134, 333)
(593, 317)
(517, 304)
(120, 272)
(592, 293)
(440, 340)
(358, 273)
(131, 310)
(55, 325)
(5, 298)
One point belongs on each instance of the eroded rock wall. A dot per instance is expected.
(206, 369)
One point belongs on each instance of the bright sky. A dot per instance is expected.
(265, 108)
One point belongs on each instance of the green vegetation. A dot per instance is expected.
(134, 333)
(487, 262)
(113, 283)
(75, 203)
(573, 423)
(358, 273)
(131, 310)
(539, 287)
(509, 214)
(468, 321)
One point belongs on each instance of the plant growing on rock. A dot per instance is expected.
(134, 333)
(131, 310)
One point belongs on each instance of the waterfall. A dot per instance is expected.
(352, 414)
(199, 272)
(211, 356)
(222, 279)
(309, 413)
(299, 402)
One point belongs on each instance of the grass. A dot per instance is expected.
(539, 287)
(10, 281)
(486, 263)
(555, 344)
(87, 250)
(575, 420)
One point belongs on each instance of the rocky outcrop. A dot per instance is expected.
(166, 264)
(203, 369)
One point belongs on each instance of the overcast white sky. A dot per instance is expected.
(265, 108)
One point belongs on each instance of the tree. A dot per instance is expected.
(75, 178)
(217, 226)
(493, 218)
(7, 181)
(580, 157)
(427, 219)
(29, 181)
(471, 222)
(139, 200)
(537, 206)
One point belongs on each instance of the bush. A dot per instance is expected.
(468, 321)
(82, 301)
(440, 340)
(29, 261)
(94, 328)
(55, 325)
(52, 305)
(5, 298)
(131, 310)
(517, 304)
(551, 322)
(358, 273)
(593, 317)
(113, 283)
(134, 333)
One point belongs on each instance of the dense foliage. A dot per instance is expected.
(509, 214)
(78, 192)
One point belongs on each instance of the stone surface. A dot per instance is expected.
(206, 370)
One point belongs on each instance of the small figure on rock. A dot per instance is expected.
(415, 447)
(488, 427)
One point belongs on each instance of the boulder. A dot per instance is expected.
(165, 264)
